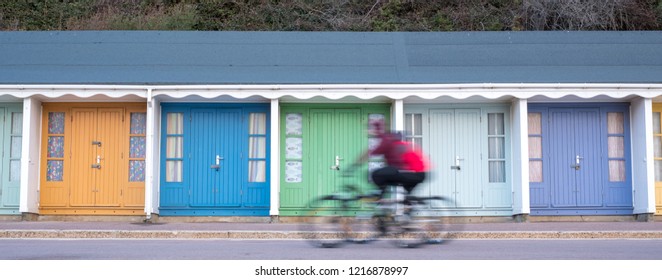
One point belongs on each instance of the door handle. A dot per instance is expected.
(98, 165)
(457, 163)
(577, 166)
(337, 166)
(218, 163)
(98, 143)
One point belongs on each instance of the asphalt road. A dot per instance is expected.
(217, 249)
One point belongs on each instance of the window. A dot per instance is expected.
(55, 150)
(616, 146)
(414, 129)
(137, 142)
(535, 148)
(174, 147)
(496, 139)
(16, 146)
(257, 147)
(293, 148)
(657, 139)
(375, 162)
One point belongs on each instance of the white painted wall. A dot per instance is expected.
(152, 156)
(643, 181)
(520, 162)
(275, 157)
(398, 115)
(30, 156)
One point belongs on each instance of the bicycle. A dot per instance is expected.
(351, 216)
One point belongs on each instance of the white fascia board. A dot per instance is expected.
(339, 91)
(402, 91)
(78, 91)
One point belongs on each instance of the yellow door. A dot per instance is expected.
(93, 159)
(111, 157)
(96, 156)
(83, 154)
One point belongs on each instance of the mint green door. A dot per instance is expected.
(469, 153)
(457, 155)
(318, 144)
(11, 127)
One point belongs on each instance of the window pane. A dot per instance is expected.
(417, 143)
(54, 170)
(535, 147)
(293, 124)
(495, 124)
(257, 123)
(657, 146)
(615, 123)
(138, 123)
(414, 124)
(257, 171)
(17, 123)
(616, 170)
(16, 145)
(496, 148)
(175, 123)
(497, 171)
(56, 146)
(174, 146)
(56, 123)
(293, 171)
(535, 171)
(173, 171)
(15, 171)
(535, 123)
(257, 147)
(293, 148)
(136, 171)
(656, 122)
(616, 147)
(658, 170)
(137, 147)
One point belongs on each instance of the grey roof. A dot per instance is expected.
(183, 57)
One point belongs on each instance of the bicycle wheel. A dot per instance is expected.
(331, 224)
(413, 229)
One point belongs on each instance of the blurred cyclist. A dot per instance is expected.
(405, 164)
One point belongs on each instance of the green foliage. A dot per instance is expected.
(320, 15)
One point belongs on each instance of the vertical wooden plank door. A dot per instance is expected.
(456, 155)
(96, 156)
(216, 150)
(574, 156)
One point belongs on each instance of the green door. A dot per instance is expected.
(11, 127)
(319, 143)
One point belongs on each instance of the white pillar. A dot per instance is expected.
(30, 157)
(643, 181)
(275, 158)
(152, 156)
(520, 163)
(398, 116)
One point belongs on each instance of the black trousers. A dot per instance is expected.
(391, 176)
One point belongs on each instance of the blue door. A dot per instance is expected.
(575, 157)
(579, 160)
(215, 157)
(214, 161)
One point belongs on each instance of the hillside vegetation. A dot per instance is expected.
(331, 15)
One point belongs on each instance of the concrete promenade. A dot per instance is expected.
(238, 228)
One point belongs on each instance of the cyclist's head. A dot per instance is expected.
(397, 135)
(376, 127)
